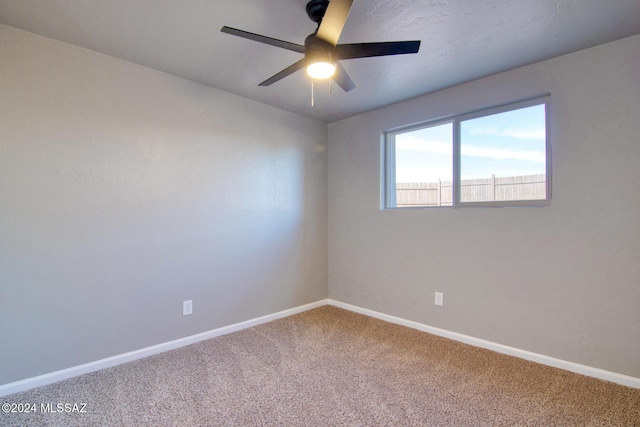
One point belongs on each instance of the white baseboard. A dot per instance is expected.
(41, 380)
(511, 351)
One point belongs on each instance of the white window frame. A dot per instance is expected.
(388, 153)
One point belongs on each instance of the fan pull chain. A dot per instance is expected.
(312, 92)
(330, 79)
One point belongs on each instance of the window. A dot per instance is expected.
(496, 157)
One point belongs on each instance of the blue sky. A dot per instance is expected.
(505, 144)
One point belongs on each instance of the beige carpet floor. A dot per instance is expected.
(330, 367)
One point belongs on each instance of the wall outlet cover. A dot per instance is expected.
(187, 307)
(439, 299)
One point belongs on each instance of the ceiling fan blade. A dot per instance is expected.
(342, 78)
(264, 39)
(364, 50)
(333, 21)
(284, 73)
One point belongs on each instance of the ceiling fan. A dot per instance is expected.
(321, 49)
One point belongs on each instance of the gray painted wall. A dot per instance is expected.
(124, 191)
(564, 280)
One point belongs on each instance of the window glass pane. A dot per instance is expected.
(503, 156)
(424, 166)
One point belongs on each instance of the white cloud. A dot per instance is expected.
(439, 147)
(503, 154)
(408, 142)
(537, 134)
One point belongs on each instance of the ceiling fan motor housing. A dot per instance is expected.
(317, 50)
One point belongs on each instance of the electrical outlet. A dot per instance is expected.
(439, 299)
(187, 307)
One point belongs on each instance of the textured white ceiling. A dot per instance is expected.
(462, 40)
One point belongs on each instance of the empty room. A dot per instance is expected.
(315, 213)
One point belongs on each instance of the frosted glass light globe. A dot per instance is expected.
(321, 70)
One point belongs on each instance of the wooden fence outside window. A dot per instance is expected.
(524, 187)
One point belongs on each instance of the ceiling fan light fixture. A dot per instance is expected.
(321, 49)
(321, 70)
